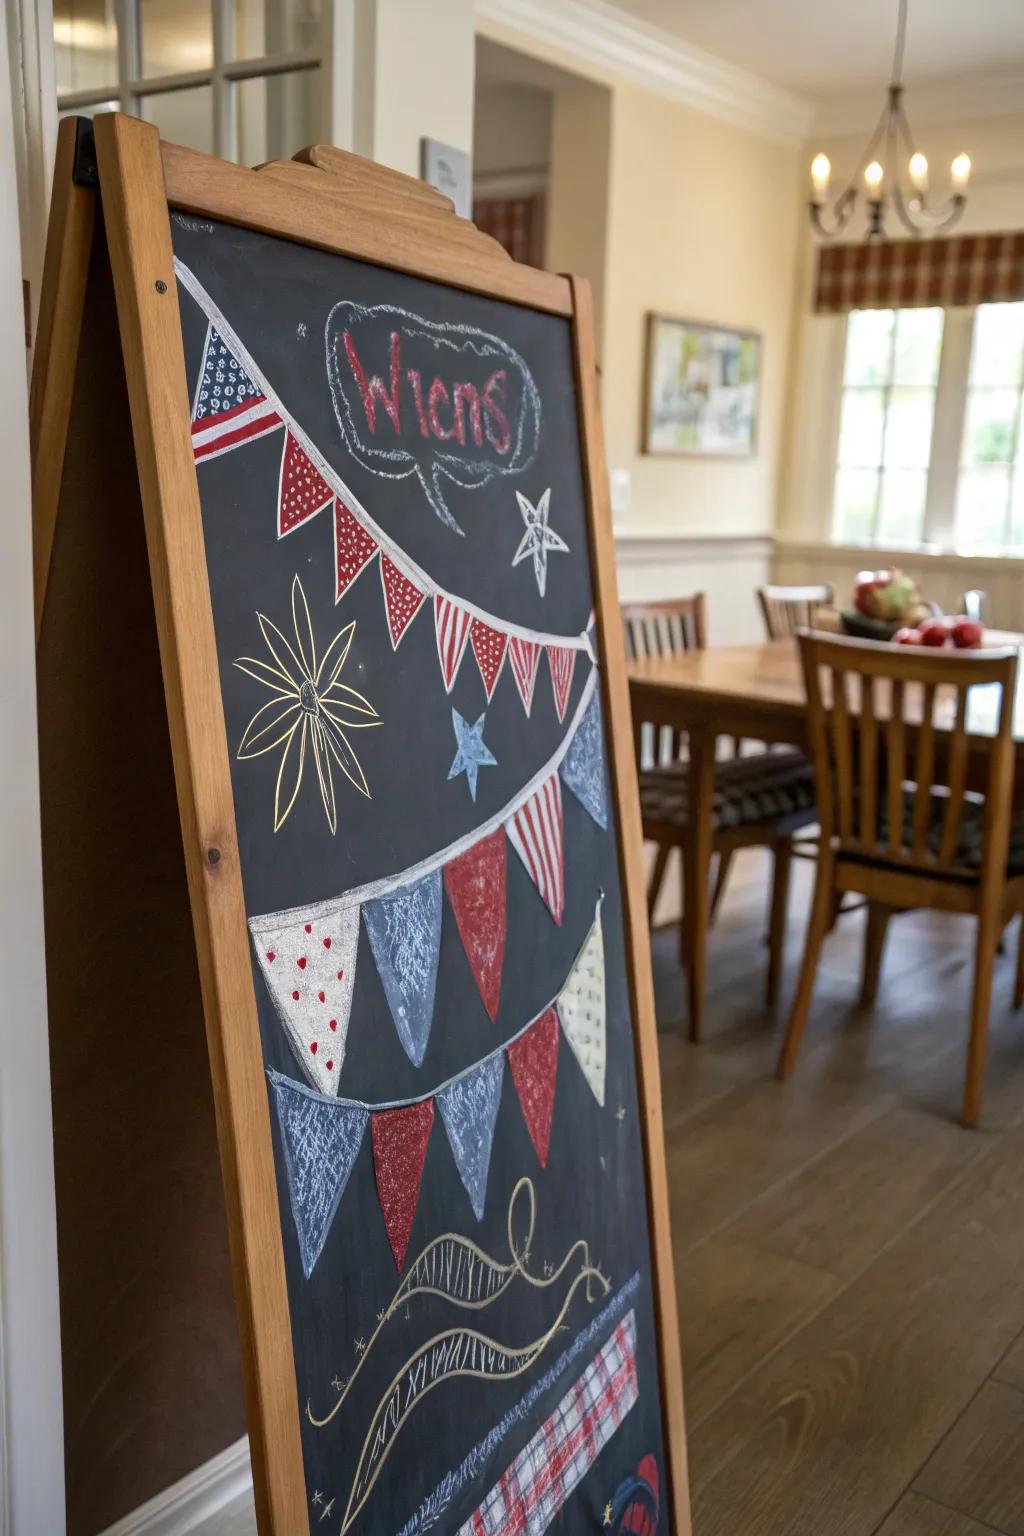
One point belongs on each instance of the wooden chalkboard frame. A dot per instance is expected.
(336, 202)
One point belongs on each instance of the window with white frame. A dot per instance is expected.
(236, 78)
(890, 377)
(990, 489)
(900, 480)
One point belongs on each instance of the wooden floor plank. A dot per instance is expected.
(917, 1516)
(736, 1304)
(841, 1210)
(1011, 1367)
(978, 1468)
(840, 1419)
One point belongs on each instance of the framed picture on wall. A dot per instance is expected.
(702, 384)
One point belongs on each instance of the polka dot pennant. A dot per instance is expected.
(310, 972)
(581, 1008)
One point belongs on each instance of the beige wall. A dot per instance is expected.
(579, 190)
(511, 130)
(413, 70)
(703, 223)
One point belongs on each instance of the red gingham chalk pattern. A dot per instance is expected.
(535, 1487)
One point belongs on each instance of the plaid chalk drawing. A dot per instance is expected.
(534, 1488)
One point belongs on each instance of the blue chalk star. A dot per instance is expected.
(472, 754)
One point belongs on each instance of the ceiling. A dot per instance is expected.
(818, 48)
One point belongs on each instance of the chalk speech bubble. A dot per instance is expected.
(414, 397)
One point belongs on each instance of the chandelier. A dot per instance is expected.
(880, 170)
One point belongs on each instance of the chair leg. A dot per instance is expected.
(657, 879)
(817, 927)
(874, 947)
(721, 876)
(777, 918)
(697, 853)
(1018, 986)
(989, 930)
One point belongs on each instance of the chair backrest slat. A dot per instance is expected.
(905, 729)
(788, 609)
(868, 765)
(924, 768)
(895, 751)
(668, 628)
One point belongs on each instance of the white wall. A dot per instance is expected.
(31, 1433)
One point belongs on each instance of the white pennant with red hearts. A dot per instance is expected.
(310, 970)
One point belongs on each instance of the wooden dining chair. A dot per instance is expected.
(787, 609)
(899, 826)
(760, 799)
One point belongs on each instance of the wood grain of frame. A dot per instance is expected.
(337, 203)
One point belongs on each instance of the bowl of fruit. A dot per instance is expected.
(883, 602)
(953, 630)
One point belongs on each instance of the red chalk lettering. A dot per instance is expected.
(413, 375)
(439, 393)
(468, 395)
(372, 389)
(499, 434)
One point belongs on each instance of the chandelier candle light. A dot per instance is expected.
(880, 172)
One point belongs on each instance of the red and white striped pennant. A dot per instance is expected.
(402, 599)
(453, 625)
(489, 647)
(524, 656)
(353, 548)
(535, 832)
(561, 662)
(302, 491)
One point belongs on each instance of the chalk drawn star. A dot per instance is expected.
(607, 1519)
(318, 1497)
(620, 1113)
(327, 1510)
(338, 1384)
(360, 1346)
(538, 538)
(472, 754)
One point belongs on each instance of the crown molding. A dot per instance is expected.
(604, 36)
(928, 101)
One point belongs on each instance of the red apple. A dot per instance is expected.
(908, 636)
(967, 633)
(934, 632)
(887, 594)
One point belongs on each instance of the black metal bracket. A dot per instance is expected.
(85, 171)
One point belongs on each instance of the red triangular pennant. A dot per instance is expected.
(535, 831)
(353, 546)
(524, 656)
(452, 624)
(561, 662)
(400, 1139)
(402, 599)
(533, 1062)
(302, 491)
(475, 883)
(489, 647)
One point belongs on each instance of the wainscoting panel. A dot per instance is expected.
(728, 569)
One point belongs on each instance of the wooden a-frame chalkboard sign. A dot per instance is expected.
(391, 681)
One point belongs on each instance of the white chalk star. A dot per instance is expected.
(538, 538)
(473, 753)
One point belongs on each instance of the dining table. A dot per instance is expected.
(756, 693)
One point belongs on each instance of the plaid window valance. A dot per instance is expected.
(904, 274)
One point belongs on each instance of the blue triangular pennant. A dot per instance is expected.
(321, 1139)
(469, 1108)
(583, 768)
(223, 383)
(404, 930)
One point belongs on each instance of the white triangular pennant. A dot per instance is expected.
(310, 971)
(581, 1009)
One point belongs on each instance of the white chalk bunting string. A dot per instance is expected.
(307, 955)
(308, 485)
(321, 1134)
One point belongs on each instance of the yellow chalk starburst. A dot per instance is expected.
(311, 709)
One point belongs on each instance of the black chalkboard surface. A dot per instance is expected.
(394, 628)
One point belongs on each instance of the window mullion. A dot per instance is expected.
(948, 428)
(129, 55)
(886, 403)
(225, 136)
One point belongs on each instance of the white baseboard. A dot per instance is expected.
(184, 1506)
